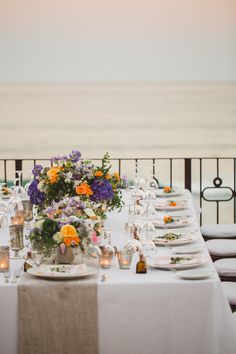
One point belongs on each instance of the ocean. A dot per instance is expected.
(127, 119)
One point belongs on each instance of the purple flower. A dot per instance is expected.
(36, 197)
(55, 158)
(75, 155)
(102, 190)
(36, 170)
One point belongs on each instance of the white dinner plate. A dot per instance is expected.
(183, 239)
(187, 261)
(174, 193)
(165, 206)
(195, 274)
(190, 249)
(178, 222)
(62, 272)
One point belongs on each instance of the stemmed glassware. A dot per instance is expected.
(3, 210)
(16, 239)
(15, 203)
(28, 212)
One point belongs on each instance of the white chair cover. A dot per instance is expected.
(219, 231)
(221, 247)
(226, 267)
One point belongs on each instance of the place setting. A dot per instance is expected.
(175, 262)
(176, 238)
(171, 205)
(169, 192)
(172, 221)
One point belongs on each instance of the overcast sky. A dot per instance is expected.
(64, 40)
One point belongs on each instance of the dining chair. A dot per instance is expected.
(230, 292)
(218, 231)
(226, 269)
(221, 249)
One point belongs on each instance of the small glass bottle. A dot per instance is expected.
(141, 266)
(28, 260)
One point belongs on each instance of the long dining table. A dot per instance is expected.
(156, 312)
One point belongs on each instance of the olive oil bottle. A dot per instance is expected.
(141, 266)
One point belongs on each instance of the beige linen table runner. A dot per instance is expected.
(57, 317)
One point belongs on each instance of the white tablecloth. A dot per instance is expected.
(146, 313)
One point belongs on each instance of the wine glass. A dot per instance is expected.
(152, 182)
(147, 233)
(3, 220)
(18, 185)
(15, 203)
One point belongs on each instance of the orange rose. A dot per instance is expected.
(53, 174)
(68, 231)
(98, 174)
(116, 175)
(67, 241)
(84, 189)
(108, 176)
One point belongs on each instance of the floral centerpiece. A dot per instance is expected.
(67, 194)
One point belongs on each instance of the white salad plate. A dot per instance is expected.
(176, 223)
(183, 261)
(181, 239)
(62, 272)
(174, 193)
(189, 249)
(195, 274)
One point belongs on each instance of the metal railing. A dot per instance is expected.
(212, 180)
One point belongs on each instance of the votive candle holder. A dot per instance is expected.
(4, 258)
(106, 258)
(124, 259)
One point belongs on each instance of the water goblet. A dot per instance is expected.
(14, 203)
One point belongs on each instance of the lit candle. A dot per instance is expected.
(4, 258)
(106, 258)
(18, 219)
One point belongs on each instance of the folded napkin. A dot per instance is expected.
(58, 317)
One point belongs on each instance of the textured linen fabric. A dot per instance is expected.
(219, 231)
(221, 247)
(226, 267)
(57, 317)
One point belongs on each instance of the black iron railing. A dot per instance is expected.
(212, 180)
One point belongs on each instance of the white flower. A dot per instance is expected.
(40, 186)
(68, 176)
(38, 223)
(57, 237)
(89, 212)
